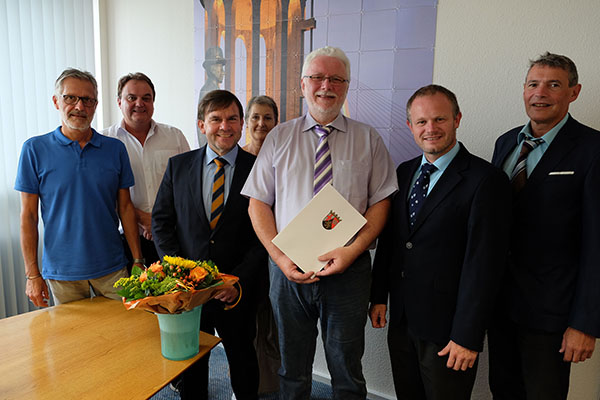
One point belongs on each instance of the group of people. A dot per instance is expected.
(509, 247)
(97, 193)
(465, 246)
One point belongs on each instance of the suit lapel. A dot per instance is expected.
(560, 148)
(449, 179)
(195, 182)
(404, 176)
(506, 147)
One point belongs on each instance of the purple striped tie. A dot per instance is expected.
(323, 173)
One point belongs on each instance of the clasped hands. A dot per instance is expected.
(338, 260)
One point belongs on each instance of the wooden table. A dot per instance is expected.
(87, 349)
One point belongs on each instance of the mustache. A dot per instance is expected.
(78, 114)
(325, 93)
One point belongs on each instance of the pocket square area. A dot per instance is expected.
(562, 173)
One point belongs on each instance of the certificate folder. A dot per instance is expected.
(327, 222)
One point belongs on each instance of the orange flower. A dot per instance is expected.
(143, 276)
(157, 269)
(198, 274)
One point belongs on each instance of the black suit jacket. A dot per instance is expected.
(554, 268)
(180, 226)
(442, 275)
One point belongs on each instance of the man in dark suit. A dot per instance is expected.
(440, 256)
(199, 214)
(549, 312)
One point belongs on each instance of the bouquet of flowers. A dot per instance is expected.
(172, 285)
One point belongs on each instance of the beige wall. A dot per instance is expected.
(482, 49)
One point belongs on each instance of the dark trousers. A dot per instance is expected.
(148, 251)
(419, 373)
(236, 328)
(525, 364)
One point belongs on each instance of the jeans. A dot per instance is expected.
(341, 303)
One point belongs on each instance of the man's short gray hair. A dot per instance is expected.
(78, 74)
(557, 61)
(329, 52)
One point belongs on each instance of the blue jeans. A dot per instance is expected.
(341, 303)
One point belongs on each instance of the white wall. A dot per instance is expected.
(482, 50)
(154, 37)
(481, 53)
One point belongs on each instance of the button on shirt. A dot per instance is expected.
(536, 154)
(441, 165)
(208, 174)
(363, 171)
(149, 162)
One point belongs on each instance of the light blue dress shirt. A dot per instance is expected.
(441, 164)
(208, 174)
(536, 154)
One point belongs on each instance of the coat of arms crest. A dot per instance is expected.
(331, 220)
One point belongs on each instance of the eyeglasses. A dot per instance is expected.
(71, 100)
(334, 80)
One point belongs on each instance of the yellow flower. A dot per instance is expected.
(182, 262)
(212, 269)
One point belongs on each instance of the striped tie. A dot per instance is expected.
(218, 192)
(518, 177)
(323, 173)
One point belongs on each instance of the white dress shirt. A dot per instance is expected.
(149, 162)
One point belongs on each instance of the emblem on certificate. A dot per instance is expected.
(331, 220)
(310, 233)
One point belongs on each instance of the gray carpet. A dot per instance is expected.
(220, 387)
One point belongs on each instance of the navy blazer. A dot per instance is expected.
(443, 274)
(180, 226)
(554, 268)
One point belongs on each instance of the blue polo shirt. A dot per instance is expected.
(78, 191)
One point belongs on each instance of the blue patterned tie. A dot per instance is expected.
(419, 192)
(323, 172)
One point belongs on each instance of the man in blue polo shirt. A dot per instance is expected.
(81, 179)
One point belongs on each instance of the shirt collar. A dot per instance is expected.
(548, 137)
(339, 123)
(123, 131)
(95, 140)
(445, 160)
(229, 157)
(62, 139)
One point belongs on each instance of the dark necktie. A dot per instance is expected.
(419, 192)
(218, 192)
(323, 172)
(518, 177)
